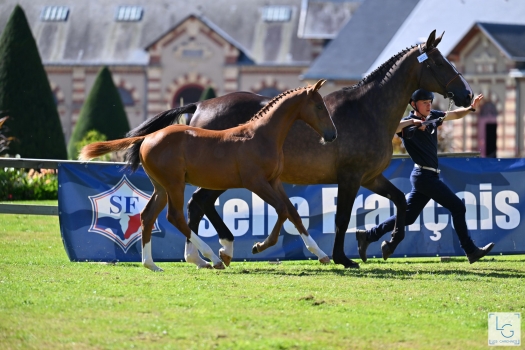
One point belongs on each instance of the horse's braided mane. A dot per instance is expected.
(379, 71)
(270, 103)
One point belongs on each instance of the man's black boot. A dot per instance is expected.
(479, 253)
(362, 243)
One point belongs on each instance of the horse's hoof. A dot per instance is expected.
(325, 260)
(204, 266)
(385, 250)
(152, 267)
(341, 259)
(255, 248)
(226, 259)
(219, 266)
(351, 264)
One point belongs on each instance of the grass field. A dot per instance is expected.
(47, 302)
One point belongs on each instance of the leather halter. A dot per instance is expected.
(444, 86)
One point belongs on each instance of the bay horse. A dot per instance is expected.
(366, 116)
(247, 156)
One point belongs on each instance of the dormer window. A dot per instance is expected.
(193, 53)
(54, 14)
(277, 13)
(129, 13)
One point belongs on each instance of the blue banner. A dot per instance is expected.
(100, 205)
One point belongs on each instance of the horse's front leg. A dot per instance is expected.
(177, 219)
(294, 217)
(202, 203)
(271, 196)
(348, 185)
(383, 187)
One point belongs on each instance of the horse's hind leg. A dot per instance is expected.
(202, 203)
(176, 217)
(294, 217)
(148, 216)
(385, 188)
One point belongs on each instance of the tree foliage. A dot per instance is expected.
(90, 137)
(25, 94)
(102, 111)
(207, 94)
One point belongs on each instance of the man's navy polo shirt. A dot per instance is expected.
(422, 145)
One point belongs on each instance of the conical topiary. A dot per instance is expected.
(25, 94)
(207, 94)
(102, 111)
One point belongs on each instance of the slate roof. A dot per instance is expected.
(455, 17)
(510, 38)
(92, 36)
(361, 40)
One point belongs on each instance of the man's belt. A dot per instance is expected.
(427, 168)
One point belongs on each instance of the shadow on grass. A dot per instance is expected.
(432, 260)
(376, 268)
(385, 272)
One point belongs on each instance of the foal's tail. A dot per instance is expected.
(98, 149)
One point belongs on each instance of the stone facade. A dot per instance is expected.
(496, 128)
(182, 63)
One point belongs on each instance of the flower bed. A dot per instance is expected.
(20, 184)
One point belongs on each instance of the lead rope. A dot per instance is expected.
(450, 103)
(441, 119)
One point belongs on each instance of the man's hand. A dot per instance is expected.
(419, 124)
(476, 101)
(461, 112)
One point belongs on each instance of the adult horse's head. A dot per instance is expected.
(439, 75)
(315, 113)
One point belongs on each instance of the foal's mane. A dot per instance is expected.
(272, 102)
(381, 70)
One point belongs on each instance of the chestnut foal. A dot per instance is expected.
(248, 156)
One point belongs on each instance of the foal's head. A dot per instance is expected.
(314, 113)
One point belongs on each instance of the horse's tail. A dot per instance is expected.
(97, 149)
(161, 120)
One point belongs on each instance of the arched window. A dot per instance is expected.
(269, 92)
(488, 110)
(126, 97)
(187, 94)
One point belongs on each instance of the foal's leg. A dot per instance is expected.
(202, 203)
(270, 193)
(176, 217)
(294, 217)
(271, 196)
(148, 216)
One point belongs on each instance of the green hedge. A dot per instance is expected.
(19, 184)
(25, 94)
